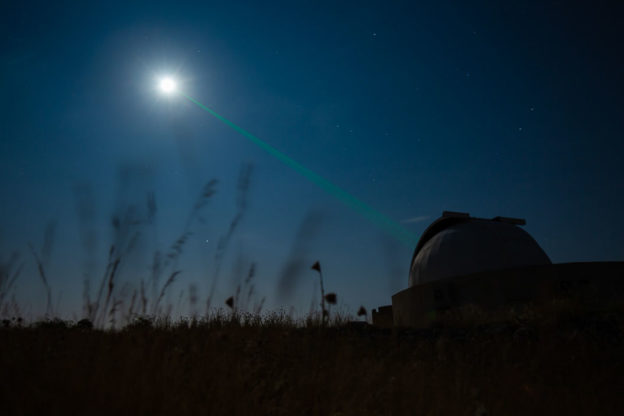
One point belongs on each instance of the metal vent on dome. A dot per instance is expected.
(455, 214)
(508, 220)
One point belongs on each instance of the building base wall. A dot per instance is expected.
(591, 282)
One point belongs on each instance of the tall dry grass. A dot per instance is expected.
(240, 364)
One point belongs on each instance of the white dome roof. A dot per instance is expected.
(457, 245)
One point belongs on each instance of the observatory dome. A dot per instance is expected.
(457, 244)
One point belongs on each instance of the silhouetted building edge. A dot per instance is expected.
(458, 270)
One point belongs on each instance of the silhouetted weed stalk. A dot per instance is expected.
(42, 261)
(244, 181)
(330, 298)
(10, 269)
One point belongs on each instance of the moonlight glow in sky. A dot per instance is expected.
(493, 108)
(167, 85)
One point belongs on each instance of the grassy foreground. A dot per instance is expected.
(236, 367)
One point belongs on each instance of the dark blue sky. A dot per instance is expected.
(510, 109)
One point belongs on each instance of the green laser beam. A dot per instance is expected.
(385, 223)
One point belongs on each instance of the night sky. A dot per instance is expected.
(509, 108)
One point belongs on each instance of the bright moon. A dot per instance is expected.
(167, 85)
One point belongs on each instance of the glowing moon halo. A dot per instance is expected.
(167, 85)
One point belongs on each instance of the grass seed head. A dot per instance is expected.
(331, 298)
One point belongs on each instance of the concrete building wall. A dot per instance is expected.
(592, 282)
